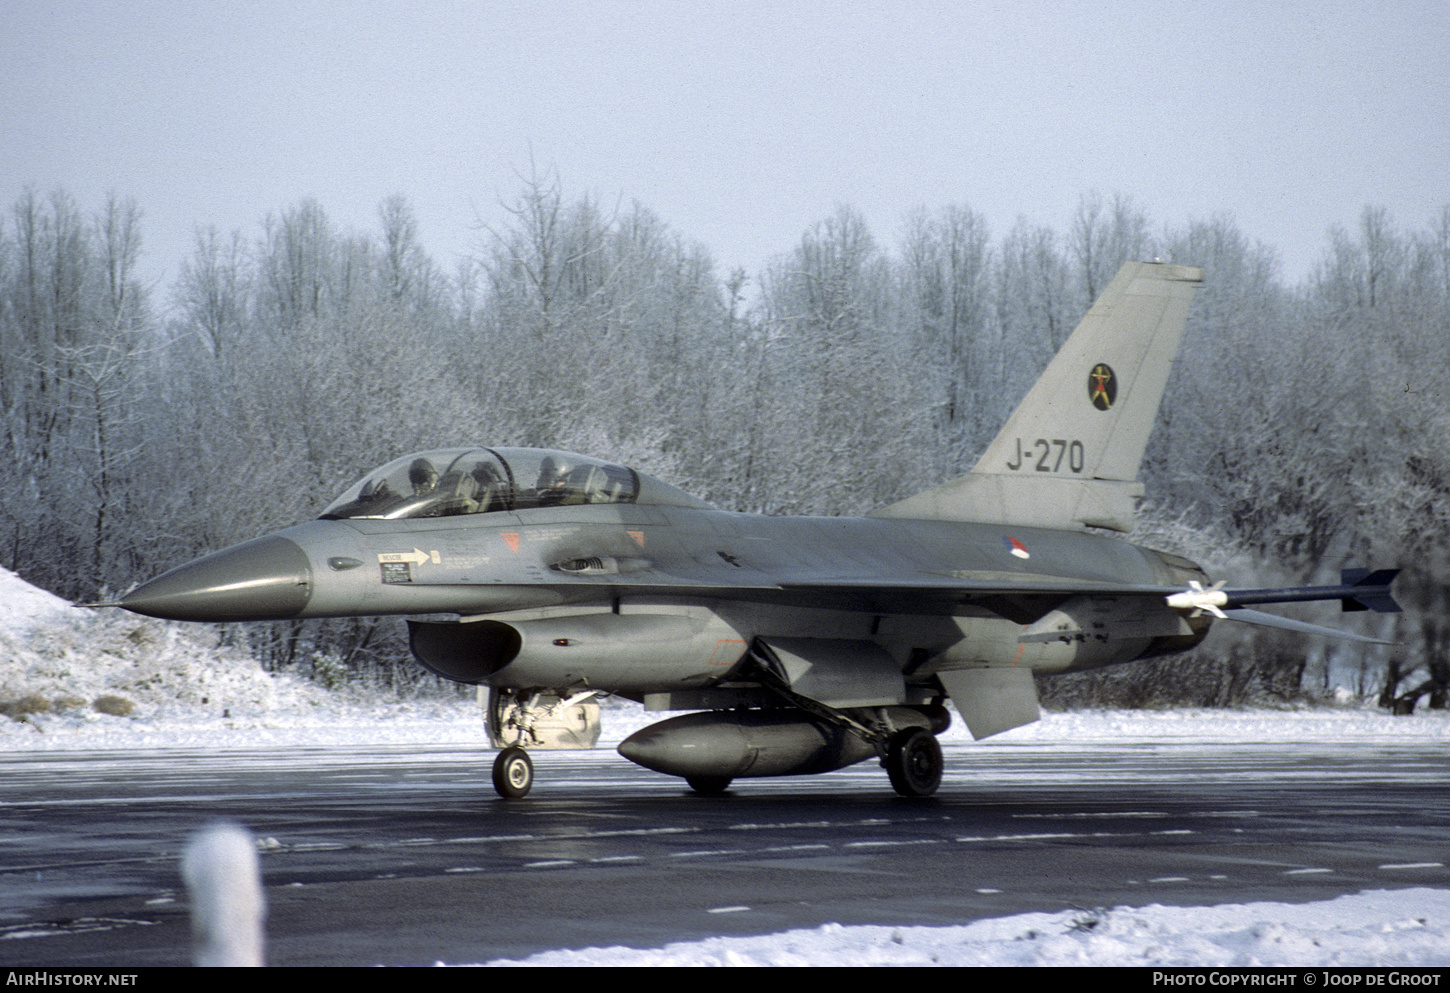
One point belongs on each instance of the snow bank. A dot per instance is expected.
(72, 673)
(73, 678)
(23, 605)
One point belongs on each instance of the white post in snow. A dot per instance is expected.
(227, 906)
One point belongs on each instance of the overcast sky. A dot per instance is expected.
(740, 124)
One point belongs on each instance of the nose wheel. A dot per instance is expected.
(513, 773)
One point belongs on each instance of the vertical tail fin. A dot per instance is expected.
(1069, 455)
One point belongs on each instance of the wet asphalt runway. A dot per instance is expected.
(401, 855)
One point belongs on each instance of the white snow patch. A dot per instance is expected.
(1376, 928)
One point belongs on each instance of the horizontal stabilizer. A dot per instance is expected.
(1261, 619)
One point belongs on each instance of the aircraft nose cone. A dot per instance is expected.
(262, 580)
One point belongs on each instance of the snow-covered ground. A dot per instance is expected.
(1381, 928)
(80, 679)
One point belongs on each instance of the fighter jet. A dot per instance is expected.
(797, 644)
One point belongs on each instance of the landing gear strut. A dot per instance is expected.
(513, 773)
(914, 762)
(911, 755)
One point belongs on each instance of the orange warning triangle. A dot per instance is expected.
(512, 537)
(638, 537)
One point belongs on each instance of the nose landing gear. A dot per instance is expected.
(513, 773)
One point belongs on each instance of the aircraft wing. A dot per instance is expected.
(1019, 598)
(1262, 619)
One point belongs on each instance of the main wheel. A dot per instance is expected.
(513, 773)
(914, 762)
(709, 785)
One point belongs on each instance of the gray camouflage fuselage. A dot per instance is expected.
(905, 586)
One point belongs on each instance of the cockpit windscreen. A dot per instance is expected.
(455, 481)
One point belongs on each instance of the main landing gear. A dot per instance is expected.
(913, 762)
(513, 773)
(910, 754)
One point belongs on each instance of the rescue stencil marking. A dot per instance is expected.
(417, 557)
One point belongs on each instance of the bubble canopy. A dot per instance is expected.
(453, 481)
